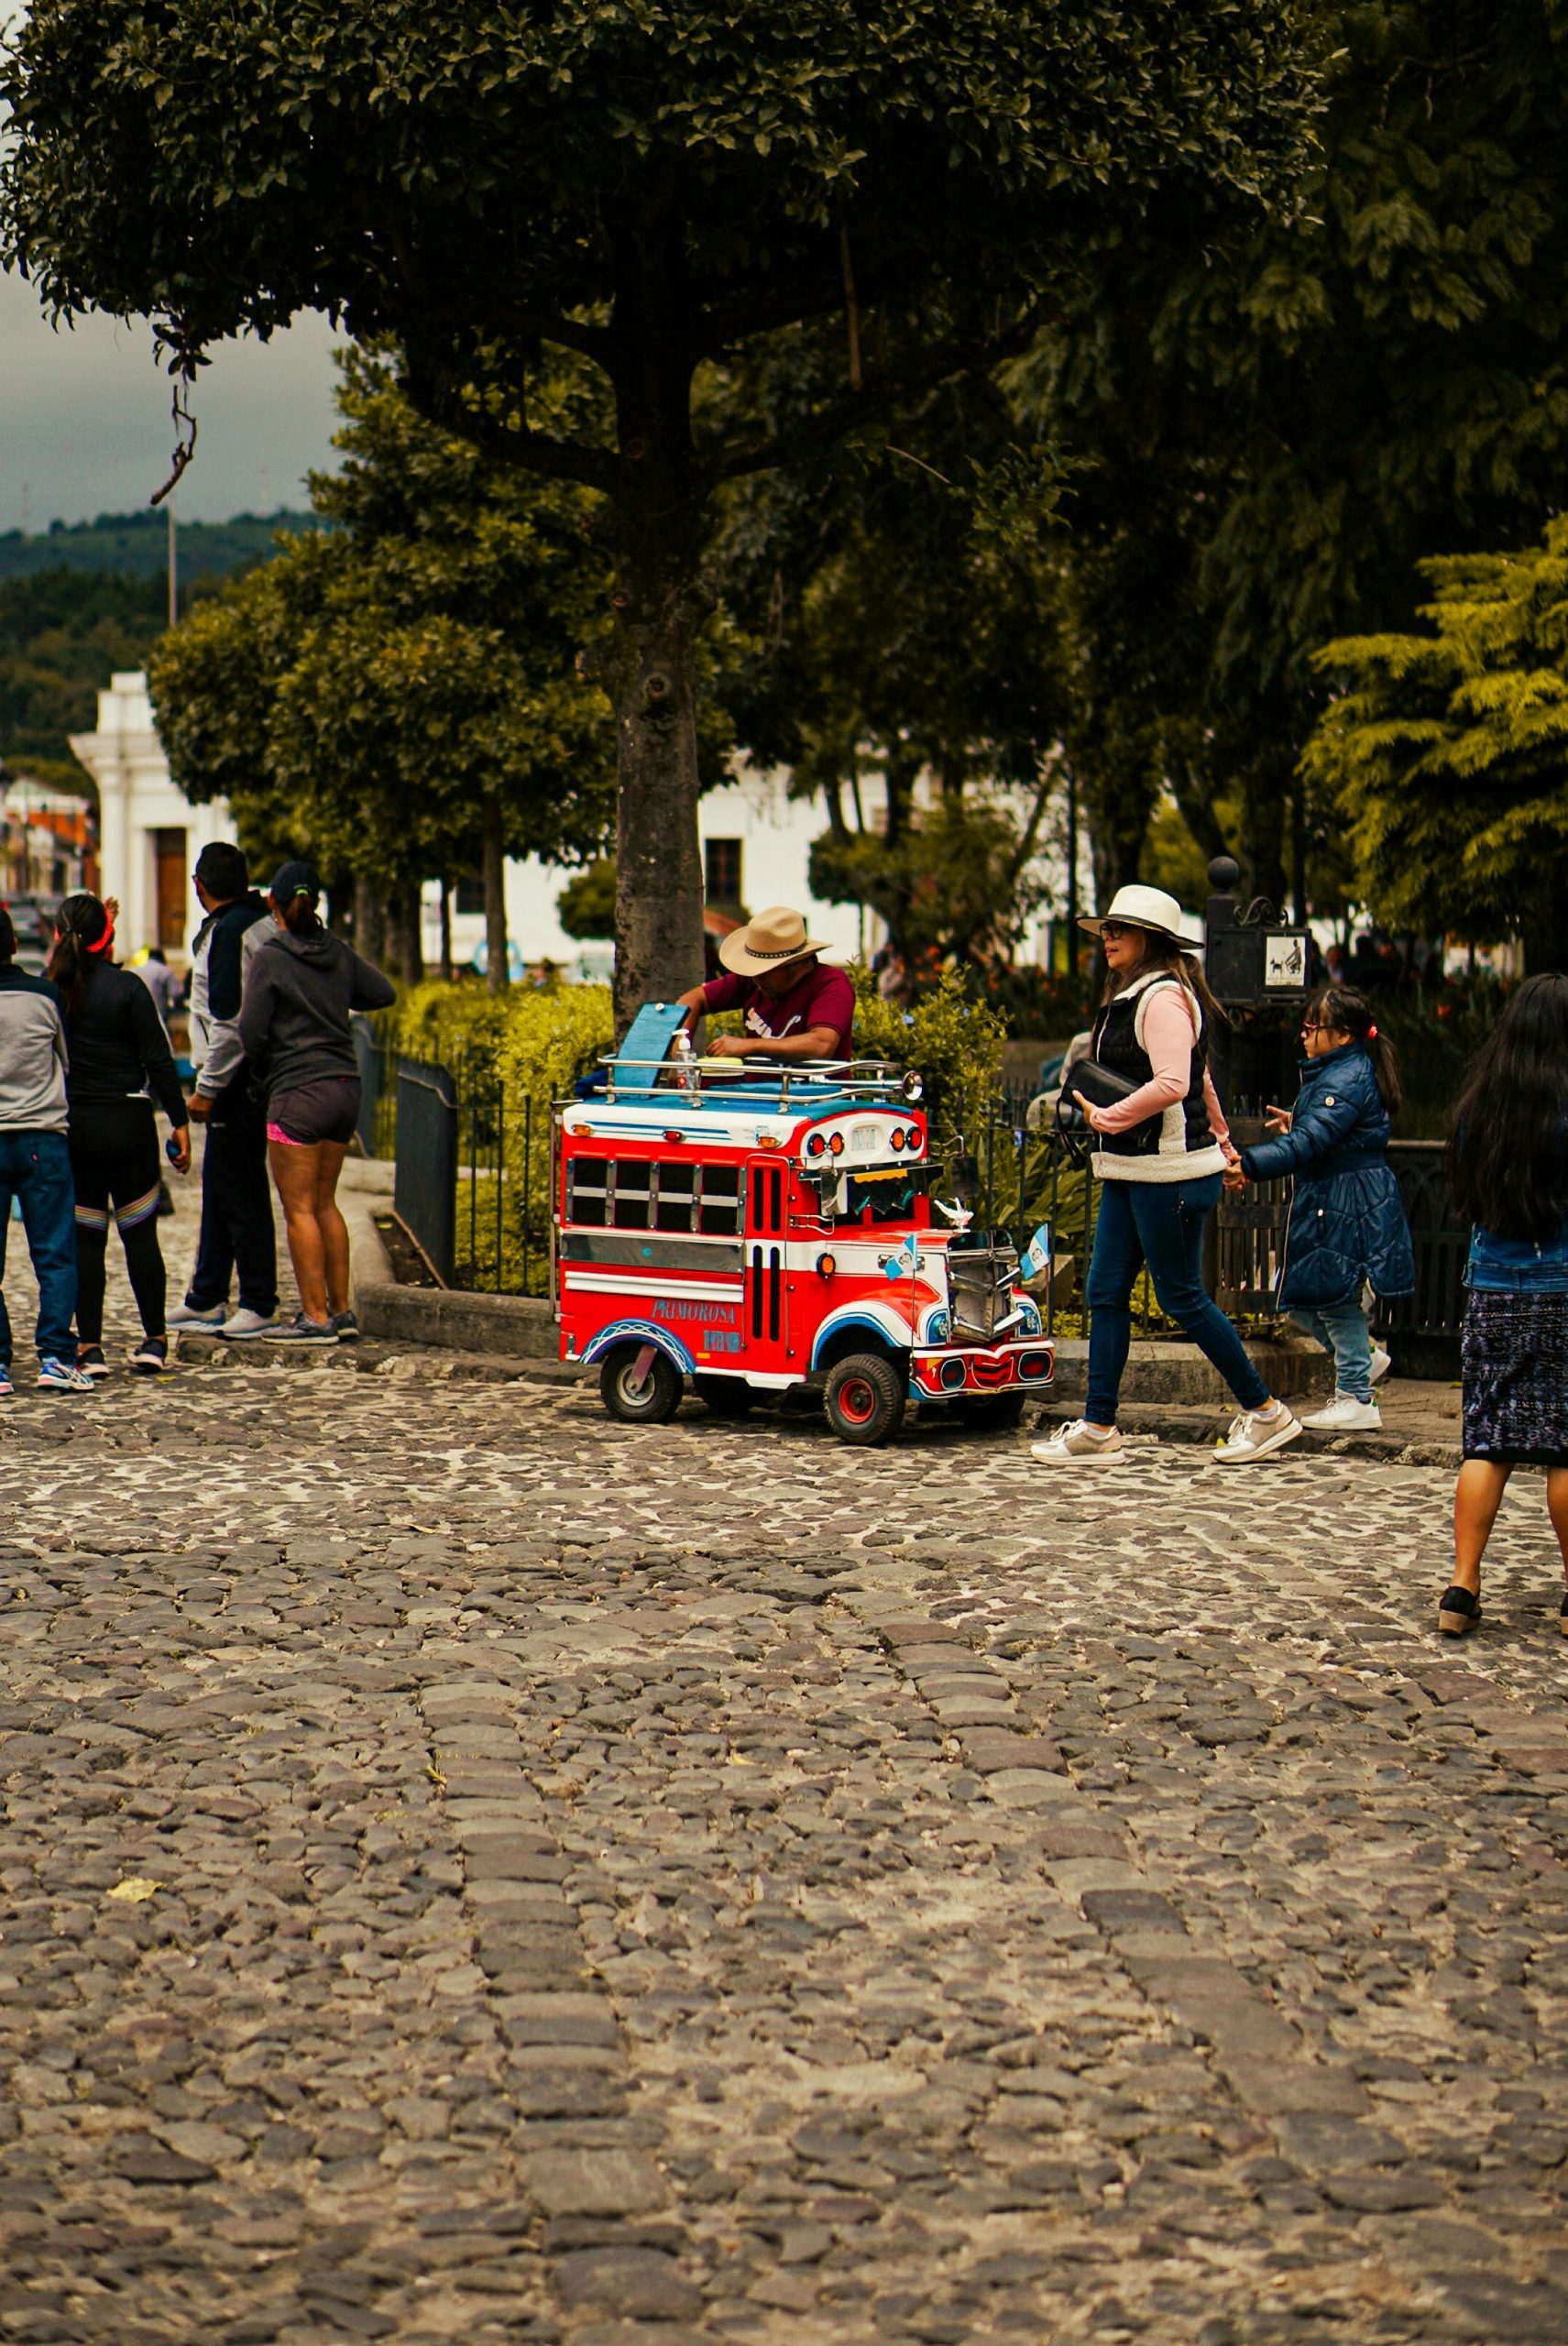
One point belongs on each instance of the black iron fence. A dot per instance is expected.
(470, 1187)
(1015, 1178)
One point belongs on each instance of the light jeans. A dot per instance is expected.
(1342, 1329)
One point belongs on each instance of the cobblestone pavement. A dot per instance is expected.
(471, 1871)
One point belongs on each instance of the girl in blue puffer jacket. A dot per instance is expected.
(1347, 1227)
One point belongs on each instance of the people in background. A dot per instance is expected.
(293, 1024)
(159, 981)
(35, 1166)
(795, 1009)
(1163, 1150)
(1346, 1230)
(1508, 1170)
(120, 1059)
(237, 1231)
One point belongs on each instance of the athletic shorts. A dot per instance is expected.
(327, 1109)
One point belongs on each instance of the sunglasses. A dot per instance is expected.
(1116, 928)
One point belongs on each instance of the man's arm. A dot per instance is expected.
(816, 1042)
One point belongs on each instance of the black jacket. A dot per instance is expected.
(119, 1047)
(299, 991)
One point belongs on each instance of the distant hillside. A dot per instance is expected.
(136, 545)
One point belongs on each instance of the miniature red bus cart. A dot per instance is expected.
(745, 1227)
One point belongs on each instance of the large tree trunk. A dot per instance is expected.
(493, 874)
(1266, 797)
(411, 938)
(658, 868)
(369, 921)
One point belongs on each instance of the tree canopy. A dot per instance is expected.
(1448, 753)
(648, 184)
(398, 696)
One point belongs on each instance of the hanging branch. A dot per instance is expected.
(184, 449)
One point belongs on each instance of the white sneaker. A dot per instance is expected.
(1252, 1437)
(1345, 1414)
(246, 1323)
(1074, 1445)
(181, 1315)
(1381, 1364)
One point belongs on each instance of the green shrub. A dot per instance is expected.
(954, 1041)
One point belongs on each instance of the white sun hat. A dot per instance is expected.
(1139, 907)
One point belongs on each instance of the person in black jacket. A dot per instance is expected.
(119, 1052)
(294, 1023)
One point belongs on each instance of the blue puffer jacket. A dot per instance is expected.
(1347, 1221)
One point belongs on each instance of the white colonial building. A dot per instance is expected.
(150, 835)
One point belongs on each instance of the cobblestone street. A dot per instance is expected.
(471, 1871)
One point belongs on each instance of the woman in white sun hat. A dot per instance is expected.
(1161, 1160)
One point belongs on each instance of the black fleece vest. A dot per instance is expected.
(1182, 1130)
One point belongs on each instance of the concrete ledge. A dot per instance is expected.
(1179, 1373)
(516, 1327)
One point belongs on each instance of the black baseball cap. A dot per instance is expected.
(296, 878)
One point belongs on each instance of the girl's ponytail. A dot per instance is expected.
(81, 934)
(1343, 1010)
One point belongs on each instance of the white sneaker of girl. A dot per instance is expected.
(1345, 1414)
(1074, 1445)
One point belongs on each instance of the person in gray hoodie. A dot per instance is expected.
(293, 1025)
(35, 1165)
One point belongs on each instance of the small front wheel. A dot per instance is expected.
(650, 1399)
(727, 1397)
(865, 1398)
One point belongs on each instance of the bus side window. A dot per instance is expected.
(633, 1193)
(720, 1198)
(588, 1191)
(677, 1204)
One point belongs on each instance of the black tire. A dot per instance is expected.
(865, 1398)
(727, 1397)
(654, 1402)
(998, 1413)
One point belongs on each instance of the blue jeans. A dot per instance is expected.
(35, 1167)
(1342, 1329)
(1159, 1223)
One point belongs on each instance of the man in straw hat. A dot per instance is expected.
(794, 1008)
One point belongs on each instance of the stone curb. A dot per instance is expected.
(1205, 1427)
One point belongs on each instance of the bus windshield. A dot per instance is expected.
(883, 1196)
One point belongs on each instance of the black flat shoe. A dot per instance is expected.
(1562, 1617)
(1459, 1609)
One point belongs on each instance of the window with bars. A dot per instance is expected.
(630, 1193)
(721, 872)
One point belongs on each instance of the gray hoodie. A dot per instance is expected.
(33, 1054)
(298, 990)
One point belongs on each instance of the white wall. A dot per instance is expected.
(137, 797)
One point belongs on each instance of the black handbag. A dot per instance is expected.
(1095, 1086)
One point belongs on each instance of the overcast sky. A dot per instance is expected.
(85, 429)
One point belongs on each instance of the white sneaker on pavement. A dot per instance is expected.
(246, 1323)
(1252, 1437)
(184, 1315)
(1381, 1364)
(1345, 1414)
(1074, 1445)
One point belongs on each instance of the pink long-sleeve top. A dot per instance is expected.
(1170, 1031)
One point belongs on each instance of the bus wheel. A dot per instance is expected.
(998, 1413)
(865, 1398)
(650, 1400)
(727, 1397)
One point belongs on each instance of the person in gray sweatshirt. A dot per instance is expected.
(35, 1165)
(293, 1025)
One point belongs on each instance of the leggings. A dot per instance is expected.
(114, 1163)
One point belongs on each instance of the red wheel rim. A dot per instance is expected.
(857, 1400)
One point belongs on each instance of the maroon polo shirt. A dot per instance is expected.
(818, 998)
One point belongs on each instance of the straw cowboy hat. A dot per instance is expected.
(774, 938)
(1136, 906)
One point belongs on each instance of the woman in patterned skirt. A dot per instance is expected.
(1508, 1165)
